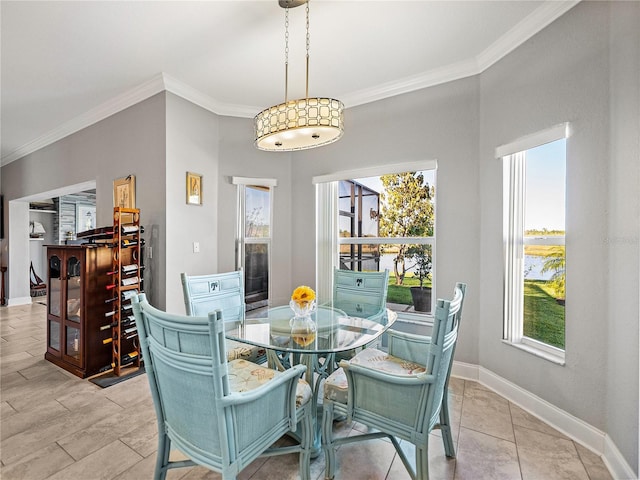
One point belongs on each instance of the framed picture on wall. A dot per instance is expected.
(194, 189)
(124, 192)
(85, 217)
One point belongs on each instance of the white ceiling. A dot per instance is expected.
(66, 65)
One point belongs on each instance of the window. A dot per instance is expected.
(384, 220)
(255, 197)
(534, 232)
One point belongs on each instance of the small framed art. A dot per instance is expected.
(194, 189)
(124, 192)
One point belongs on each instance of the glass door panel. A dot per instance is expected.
(256, 264)
(55, 282)
(74, 289)
(54, 335)
(73, 342)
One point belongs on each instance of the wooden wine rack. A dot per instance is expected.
(126, 280)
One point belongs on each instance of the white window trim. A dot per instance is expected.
(513, 157)
(327, 238)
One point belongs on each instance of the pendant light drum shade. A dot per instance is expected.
(299, 124)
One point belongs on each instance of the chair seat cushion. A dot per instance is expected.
(245, 376)
(238, 350)
(336, 387)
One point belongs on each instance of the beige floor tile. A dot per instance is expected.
(523, 418)
(103, 464)
(25, 344)
(486, 411)
(456, 386)
(101, 433)
(368, 460)
(547, 456)
(39, 465)
(6, 411)
(143, 440)
(10, 380)
(32, 418)
(482, 456)
(593, 463)
(48, 386)
(39, 369)
(18, 446)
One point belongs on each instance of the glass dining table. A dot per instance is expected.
(314, 342)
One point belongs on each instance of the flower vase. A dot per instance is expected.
(303, 327)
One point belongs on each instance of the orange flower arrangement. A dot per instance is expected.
(303, 295)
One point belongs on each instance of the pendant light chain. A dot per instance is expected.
(308, 41)
(286, 54)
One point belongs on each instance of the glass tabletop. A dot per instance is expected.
(329, 330)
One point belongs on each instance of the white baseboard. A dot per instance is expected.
(573, 427)
(12, 302)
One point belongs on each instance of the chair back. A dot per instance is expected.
(186, 365)
(443, 340)
(360, 294)
(222, 291)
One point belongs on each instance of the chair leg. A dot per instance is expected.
(445, 427)
(327, 437)
(422, 462)
(306, 444)
(162, 459)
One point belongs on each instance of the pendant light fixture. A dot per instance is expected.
(303, 123)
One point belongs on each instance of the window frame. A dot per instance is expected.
(513, 160)
(328, 237)
(241, 239)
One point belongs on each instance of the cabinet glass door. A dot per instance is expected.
(74, 289)
(54, 335)
(72, 346)
(55, 283)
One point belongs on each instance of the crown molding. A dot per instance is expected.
(196, 97)
(537, 20)
(532, 24)
(432, 78)
(125, 100)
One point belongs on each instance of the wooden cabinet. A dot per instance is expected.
(77, 279)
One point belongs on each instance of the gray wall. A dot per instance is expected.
(623, 247)
(129, 142)
(562, 74)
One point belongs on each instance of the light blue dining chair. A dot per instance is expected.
(221, 291)
(400, 394)
(220, 414)
(360, 294)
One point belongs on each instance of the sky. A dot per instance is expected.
(545, 187)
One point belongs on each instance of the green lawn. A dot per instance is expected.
(543, 316)
(401, 293)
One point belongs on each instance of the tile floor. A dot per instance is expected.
(57, 426)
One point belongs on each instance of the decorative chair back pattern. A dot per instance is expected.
(360, 294)
(222, 291)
